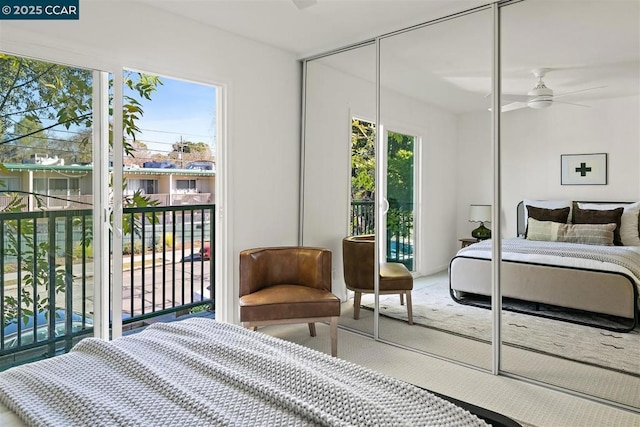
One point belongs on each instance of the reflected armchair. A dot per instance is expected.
(288, 285)
(358, 258)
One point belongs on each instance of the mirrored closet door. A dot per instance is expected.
(434, 115)
(569, 127)
(339, 170)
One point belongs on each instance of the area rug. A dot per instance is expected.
(434, 308)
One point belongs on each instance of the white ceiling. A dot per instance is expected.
(324, 25)
(587, 43)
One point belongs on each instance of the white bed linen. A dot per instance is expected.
(202, 372)
(567, 259)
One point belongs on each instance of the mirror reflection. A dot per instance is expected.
(569, 143)
(434, 85)
(338, 184)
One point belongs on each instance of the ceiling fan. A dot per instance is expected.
(540, 96)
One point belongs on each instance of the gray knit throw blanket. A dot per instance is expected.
(203, 372)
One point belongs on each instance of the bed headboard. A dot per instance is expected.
(522, 224)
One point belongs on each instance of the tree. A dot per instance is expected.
(400, 167)
(57, 97)
(186, 151)
(363, 161)
(38, 99)
(399, 178)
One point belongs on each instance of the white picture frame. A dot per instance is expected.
(583, 169)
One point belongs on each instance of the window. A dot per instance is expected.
(147, 186)
(9, 184)
(186, 185)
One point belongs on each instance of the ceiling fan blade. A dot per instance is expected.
(513, 106)
(512, 97)
(515, 97)
(303, 4)
(578, 91)
(571, 103)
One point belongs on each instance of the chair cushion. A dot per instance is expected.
(395, 276)
(288, 302)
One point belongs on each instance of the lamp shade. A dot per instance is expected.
(479, 213)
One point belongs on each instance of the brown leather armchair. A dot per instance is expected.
(288, 285)
(358, 258)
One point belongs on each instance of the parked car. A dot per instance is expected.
(42, 333)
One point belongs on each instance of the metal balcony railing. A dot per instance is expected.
(46, 274)
(399, 228)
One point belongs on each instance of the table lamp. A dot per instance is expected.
(481, 214)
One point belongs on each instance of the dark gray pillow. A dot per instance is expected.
(595, 216)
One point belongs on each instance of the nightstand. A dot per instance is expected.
(467, 242)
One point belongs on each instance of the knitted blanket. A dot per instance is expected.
(202, 372)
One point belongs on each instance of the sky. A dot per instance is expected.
(178, 110)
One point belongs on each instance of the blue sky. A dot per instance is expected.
(178, 109)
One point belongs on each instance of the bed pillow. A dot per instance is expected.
(546, 204)
(589, 234)
(629, 223)
(598, 216)
(560, 215)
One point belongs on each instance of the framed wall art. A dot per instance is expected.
(583, 169)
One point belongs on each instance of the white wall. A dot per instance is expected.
(332, 98)
(263, 103)
(532, 142)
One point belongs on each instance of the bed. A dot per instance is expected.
(591, 277)
(202, 372)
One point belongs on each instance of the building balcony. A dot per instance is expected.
(47, 282)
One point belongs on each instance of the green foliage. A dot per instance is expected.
(400, 159)
(36, 99)
(144, 85)
(83, 249)
(53, 96)
(363, 161)
(33, 261)
(137, 248)
(200, 308)
(400, 168)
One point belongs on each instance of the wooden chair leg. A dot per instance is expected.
(401, 298)
(312, 329)
(334, 336)
(356, 305)
(409, 308)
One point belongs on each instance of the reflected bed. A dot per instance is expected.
(587, 277)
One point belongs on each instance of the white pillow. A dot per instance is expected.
(546, 204)
(629, 233)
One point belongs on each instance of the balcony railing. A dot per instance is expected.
(46, 274)
(399, 229)
(77, 201)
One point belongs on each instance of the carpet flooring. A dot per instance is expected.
(434, 308)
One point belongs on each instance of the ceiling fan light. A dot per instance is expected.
(538, 104)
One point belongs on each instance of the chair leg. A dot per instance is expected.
(401, 298)
(312, 329)
(356, 305)
(334, 336)
(409, 308)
